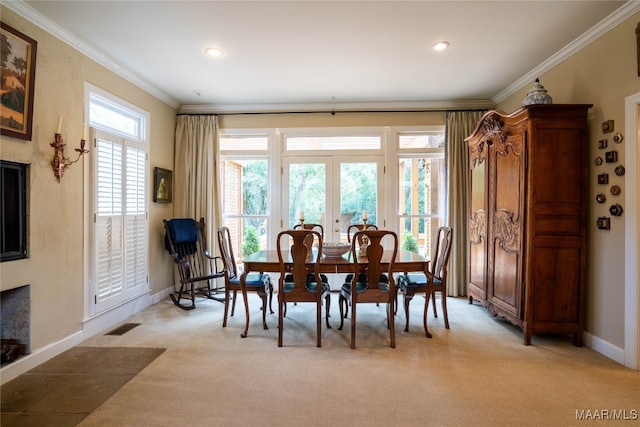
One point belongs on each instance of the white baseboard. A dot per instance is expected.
(605, 348)
(91, 327)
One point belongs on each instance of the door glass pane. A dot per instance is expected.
(358, 193)
(307, 192)
(422, 200)
(244, 204)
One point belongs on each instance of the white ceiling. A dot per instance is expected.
(322, 52)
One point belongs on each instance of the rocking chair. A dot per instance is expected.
(185, 240)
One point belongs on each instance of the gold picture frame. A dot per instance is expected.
(18, 77)
(162, 185)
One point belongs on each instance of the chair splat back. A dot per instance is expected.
(442, 251)
(226, 252)
(310, 226)
(353, 228)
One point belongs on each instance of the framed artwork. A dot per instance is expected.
(162, 185)
(18, 68)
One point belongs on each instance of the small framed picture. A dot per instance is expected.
(603, 223)
(611, 156)
(162, 185)
(602, 144)
(607, 126)
(603, 178)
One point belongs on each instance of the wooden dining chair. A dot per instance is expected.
(434, 281)
(255, 282)
(367, 285)
(300, 279)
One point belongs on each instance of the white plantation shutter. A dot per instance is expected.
(135, 223)
(121, 226)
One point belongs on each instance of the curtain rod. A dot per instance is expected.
(332, 112)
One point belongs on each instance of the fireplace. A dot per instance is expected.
(15, 323)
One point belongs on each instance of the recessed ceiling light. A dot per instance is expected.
(441, 45)
(198, 92)
(213, 51)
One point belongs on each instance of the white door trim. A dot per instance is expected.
(631, 294)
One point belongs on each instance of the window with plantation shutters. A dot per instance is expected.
(119, 267)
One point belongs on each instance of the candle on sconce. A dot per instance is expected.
(301, 215)
(84, 131)
(365, 215)
(59, 125)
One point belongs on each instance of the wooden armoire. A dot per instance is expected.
(527, 217)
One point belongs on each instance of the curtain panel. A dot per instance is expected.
(459, 125)
(196, 172)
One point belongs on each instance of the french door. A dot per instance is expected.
(334, 191)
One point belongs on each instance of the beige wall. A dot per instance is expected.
(602, 74)
(54, 268)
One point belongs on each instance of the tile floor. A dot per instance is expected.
(64, 390)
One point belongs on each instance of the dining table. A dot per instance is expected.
(266, 261)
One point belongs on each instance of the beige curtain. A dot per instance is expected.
(196, 171)
(459, 125)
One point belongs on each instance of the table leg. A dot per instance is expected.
(243, 289)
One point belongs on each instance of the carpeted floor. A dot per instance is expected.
(478, 373)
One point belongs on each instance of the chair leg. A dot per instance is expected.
(444, 310)
(226, 307)
(319, 322)
(433, 300)
(263, 297)
(407, 299)
(327, 300)
(281, 306)
(342, 302)
(270, 296)
(392, 330)
(353, 326)
(233, 303)
(424, 316)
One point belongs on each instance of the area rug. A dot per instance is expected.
(65, 389)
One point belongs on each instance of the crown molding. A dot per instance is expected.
(621, 14)
(319, 107)
(27, 12)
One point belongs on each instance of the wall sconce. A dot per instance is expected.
(60, 162)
